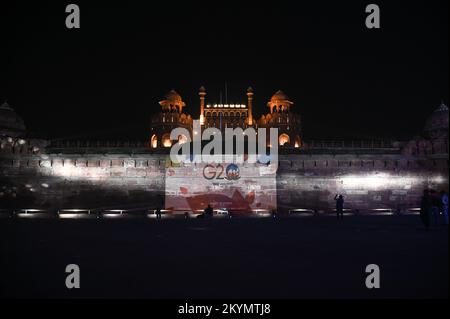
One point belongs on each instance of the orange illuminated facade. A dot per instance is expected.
(222, 116)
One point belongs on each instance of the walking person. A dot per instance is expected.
(444, 206)
(425, 205)
(209, 211)
(339, 206)
(158, 213)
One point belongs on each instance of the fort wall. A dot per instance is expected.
(306, 181)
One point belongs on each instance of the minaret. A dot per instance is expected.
(202, 93)
(250, 102)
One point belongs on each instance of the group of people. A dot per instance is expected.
(432, 205)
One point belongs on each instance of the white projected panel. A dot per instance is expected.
(239, 188)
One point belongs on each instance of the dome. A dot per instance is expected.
(279, 96)
(172, 102)
(11, 124)
(436, 125)
(279, 102)
(173, 96)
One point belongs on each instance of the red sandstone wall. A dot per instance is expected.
(367, 181)
(76, 181)
(303, 181)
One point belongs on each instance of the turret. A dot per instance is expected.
(202, 94)
(250, 106)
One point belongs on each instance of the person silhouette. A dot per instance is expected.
(158, 213)
(208, 211)
(339, 206)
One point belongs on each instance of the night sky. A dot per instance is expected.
(105, 79)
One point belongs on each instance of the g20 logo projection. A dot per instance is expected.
(217, 171)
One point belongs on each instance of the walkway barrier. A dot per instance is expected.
(77, 213)
(347, 212)
(33, 213)
(302, 212)
(71, 213)
(411, 211)
(382, 211)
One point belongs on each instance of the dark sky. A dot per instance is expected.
(107, 77)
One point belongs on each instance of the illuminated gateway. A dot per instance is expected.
(373, 175)
(222, 116)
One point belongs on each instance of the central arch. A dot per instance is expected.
(283, 139)
(165, 140)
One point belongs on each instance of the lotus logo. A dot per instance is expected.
(232, 172)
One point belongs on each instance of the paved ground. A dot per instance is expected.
(309, 257)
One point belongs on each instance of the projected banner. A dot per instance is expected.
(239, 188)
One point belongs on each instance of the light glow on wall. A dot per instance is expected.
(377, 181)
(166, 142)
(74, 172)
(182, 139)
(363, 181)
(154, 141)
(283, 139)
